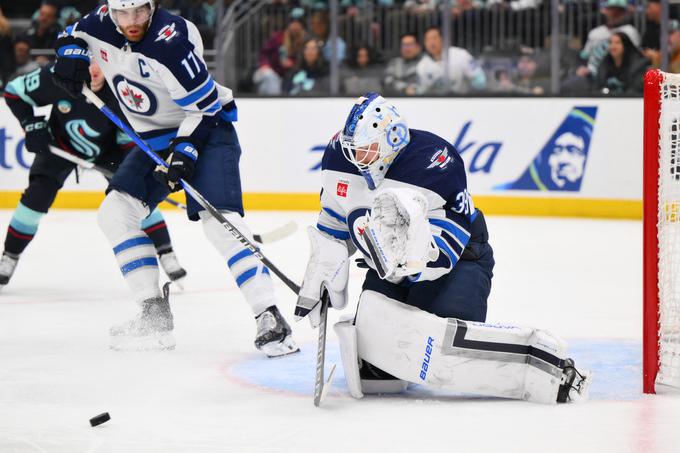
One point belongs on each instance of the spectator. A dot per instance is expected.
(320, 27)
(650, 40)
(617, 19)
(6, 51)
(278, 56)
(465, 73)
(362, 73)
(22, 58)
(521, 80)
(310, 75)
(526, 77)
(673, 48)
(401, 74)
(622, 70)
(43, 31)
(595, 49)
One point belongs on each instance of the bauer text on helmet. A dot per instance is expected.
(373, 135)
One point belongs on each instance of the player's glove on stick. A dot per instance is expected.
(72, 67)
(38, 137)
(181, 163)
(399, 228)
(328, 269)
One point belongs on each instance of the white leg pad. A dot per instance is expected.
(346, 332)
(463, 356)
(252, 277)
(119, 217)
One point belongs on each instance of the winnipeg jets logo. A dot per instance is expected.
(135, 100)
(440, 159)
(134, 96)
(102, 12)
(167, 33)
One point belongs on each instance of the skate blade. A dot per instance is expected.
(285, 347)
(155, 342)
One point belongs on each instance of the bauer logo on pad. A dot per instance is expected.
(342, 188)
(561, 163)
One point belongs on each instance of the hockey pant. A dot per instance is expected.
(119, 218)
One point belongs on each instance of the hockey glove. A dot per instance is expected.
(398, 235)
(72, 67)
(38, 135)
(328, 269)
(181, 164)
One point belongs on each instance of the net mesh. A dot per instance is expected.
(669, 232)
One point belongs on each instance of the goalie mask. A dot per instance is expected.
(373, 135)
(130, 12)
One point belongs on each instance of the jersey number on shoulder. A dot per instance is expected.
(464, 204)
(32, 80)
(185, 63)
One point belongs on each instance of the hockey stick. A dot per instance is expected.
(319, 386)
(108, 174)
(263, 238)
(193, 193)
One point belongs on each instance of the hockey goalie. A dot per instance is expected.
(399, 196)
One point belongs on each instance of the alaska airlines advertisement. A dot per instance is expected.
(580, 148)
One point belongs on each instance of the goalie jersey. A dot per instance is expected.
(161, 82)
(429, 165)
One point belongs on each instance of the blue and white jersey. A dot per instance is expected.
(161, 82)
(429, 165)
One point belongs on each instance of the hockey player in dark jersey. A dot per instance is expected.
(400, 197)
(78, 127)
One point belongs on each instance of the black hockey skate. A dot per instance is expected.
(574, 384)
(7, 265)
(151, 329)
(274, 335)
(376, 381)
(172, 268)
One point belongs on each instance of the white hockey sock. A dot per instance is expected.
(252, 277)
(119, 218)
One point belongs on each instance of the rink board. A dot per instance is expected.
(514, 151)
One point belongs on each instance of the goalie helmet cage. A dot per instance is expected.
(661, 232)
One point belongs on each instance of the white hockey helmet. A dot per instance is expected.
(373, 122)
(120, 5)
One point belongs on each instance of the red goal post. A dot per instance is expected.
(661, 232)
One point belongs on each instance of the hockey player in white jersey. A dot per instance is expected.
(400, 197)
(152, 60)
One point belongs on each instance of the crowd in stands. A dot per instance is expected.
(294, 56)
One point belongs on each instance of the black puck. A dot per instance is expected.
(99, 419)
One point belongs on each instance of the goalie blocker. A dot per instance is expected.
(390, 344)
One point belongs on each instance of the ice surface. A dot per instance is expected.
(216, 393)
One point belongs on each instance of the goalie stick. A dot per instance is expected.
(263, 238)
(188, 188)
(321, 387)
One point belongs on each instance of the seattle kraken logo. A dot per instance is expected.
(78, 132)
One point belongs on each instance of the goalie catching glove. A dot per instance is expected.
(327, 270)
(181, 164)
(398, 235)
